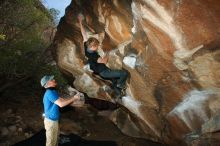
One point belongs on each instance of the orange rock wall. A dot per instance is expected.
(176, 76)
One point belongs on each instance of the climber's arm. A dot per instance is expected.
(103, 59)
(83, 31)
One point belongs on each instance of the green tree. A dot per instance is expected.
(54, 13)
(22, 47)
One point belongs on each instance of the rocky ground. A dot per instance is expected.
(21, 117)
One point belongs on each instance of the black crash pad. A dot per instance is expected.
(39, 139)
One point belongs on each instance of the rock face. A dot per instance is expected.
(171, 50)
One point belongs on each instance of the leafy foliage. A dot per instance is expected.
(2, 37)
(23, 49)
(54, 13)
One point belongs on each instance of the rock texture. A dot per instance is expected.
(171, 50)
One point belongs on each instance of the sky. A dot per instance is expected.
(57, 4)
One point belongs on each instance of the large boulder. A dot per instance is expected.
(171, 51)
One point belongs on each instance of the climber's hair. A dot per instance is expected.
(92, 42)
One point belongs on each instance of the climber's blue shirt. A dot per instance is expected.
(51, 110)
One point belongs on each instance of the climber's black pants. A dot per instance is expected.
(118, 77)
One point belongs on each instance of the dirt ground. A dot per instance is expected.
(21, 117)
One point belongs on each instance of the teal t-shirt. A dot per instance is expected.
(51, 110)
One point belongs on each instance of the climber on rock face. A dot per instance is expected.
(97, 63)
